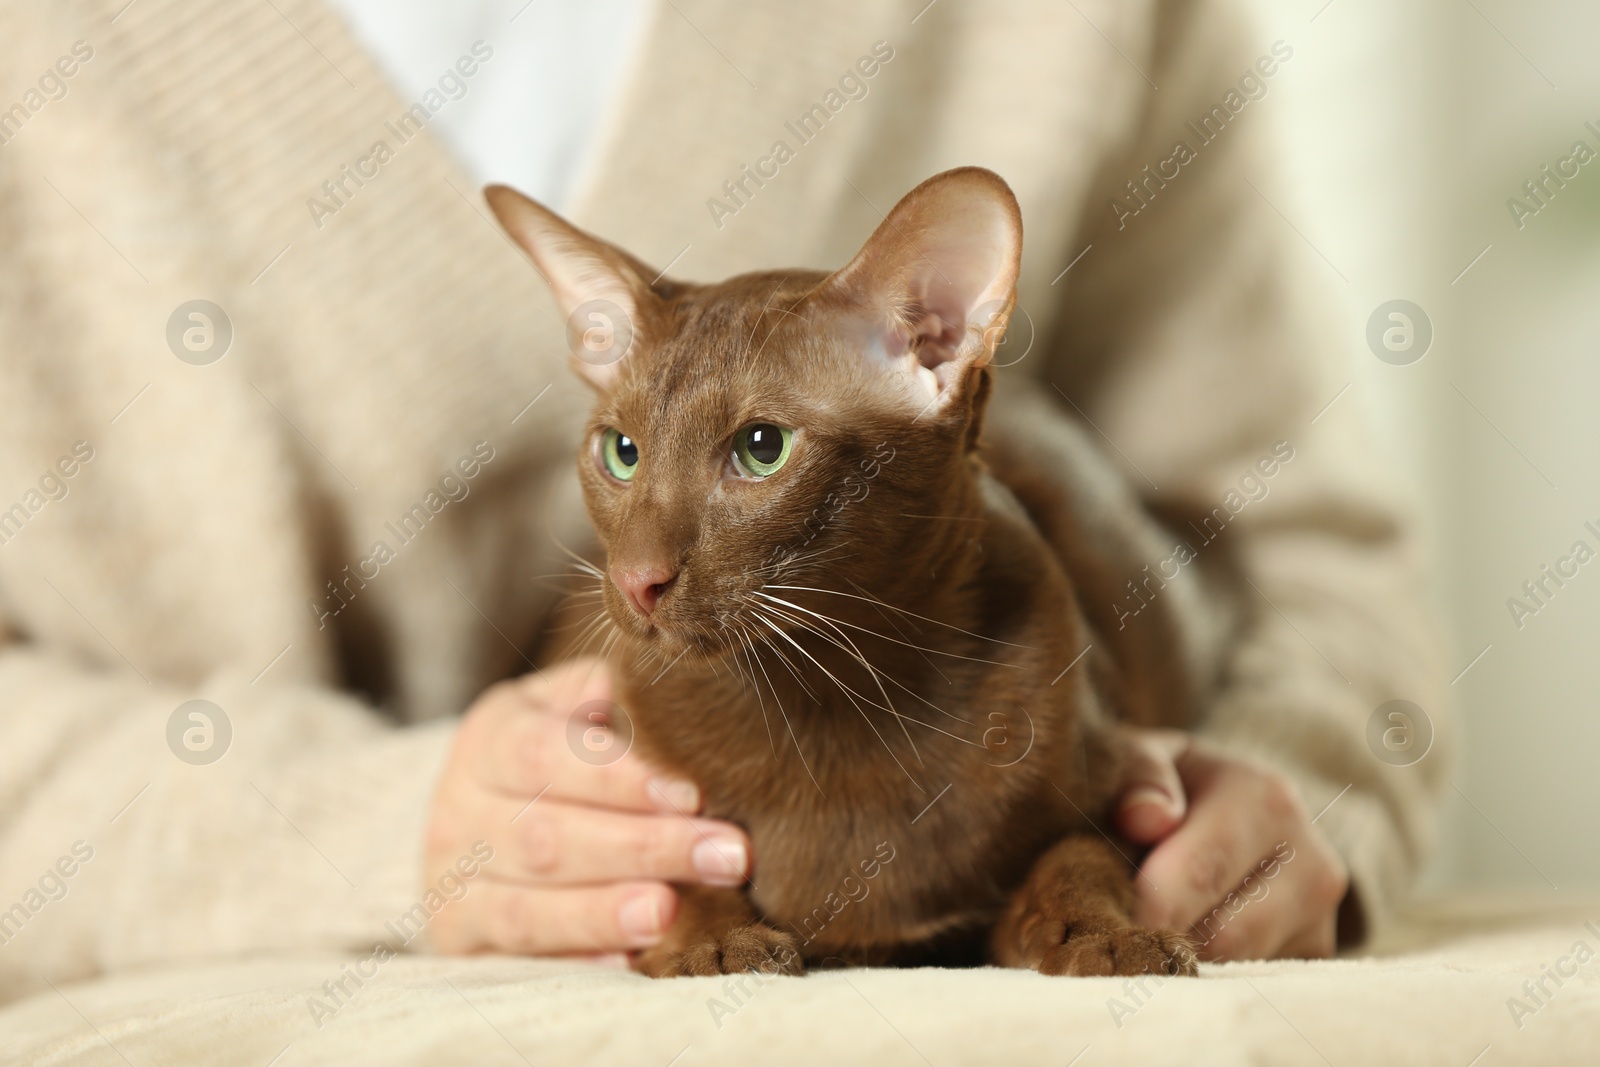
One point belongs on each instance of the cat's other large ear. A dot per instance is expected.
(603, 293)
(932, 289)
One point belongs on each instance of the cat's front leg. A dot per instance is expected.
(717, 932)
(1073, 916)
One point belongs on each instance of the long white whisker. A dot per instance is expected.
(587, 565)
(578, 624)
(853, 649)
(826, 554)
(753, 660)
(854, 653)
(934, 667)
(732, 658)
(877, 672)
(669, 666)
(810, 629)
(850, 694)
(920, 648)
(787, 724)
(783, 657)
(592, 632)
(903, 611)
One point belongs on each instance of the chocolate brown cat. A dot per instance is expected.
(874, 625)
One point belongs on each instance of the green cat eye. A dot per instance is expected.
(619, 454)
(762, 448)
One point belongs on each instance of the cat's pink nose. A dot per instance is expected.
(643, 586)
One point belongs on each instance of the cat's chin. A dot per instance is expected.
(676, 643)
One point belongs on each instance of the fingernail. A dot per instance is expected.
(674, 794)
(640, 919)
(1148, 794)
(721, 860)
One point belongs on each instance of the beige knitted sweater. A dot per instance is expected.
(175, 529)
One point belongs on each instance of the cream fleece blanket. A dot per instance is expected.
(1457, 983)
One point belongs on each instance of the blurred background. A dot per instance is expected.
(1407, 127)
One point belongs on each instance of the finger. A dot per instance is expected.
(1282, 907)
(1255, 918)
(1237, 813)
(567, 844)
(573, 757)
(545, 921)
(1153, 800)
(1318, 942)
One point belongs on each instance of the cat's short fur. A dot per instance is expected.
(895, 660)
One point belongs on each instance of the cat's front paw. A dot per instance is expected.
(1052, 946)
(753, 947)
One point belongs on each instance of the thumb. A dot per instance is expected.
(1152, 802)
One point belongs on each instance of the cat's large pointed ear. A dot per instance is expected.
(933, 288)
(602, 291)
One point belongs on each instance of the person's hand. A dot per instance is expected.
(1238, 865)
(582, 848)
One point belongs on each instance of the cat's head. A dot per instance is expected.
(782, 431)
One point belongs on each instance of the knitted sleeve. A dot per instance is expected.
(1199, 341)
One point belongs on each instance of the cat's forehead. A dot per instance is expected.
(718, 348)
(749, 321)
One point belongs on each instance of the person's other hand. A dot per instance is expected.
(1237, 863)
(583, 848)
